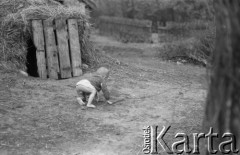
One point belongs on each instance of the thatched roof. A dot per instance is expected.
(15, 27)
(90, 4)
(24, 10)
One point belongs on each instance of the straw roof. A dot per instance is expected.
(15, 16)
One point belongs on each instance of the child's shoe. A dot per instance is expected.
(109, 102)
(91, 106)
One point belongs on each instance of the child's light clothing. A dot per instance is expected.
(84, 88)
(85, 83)
(90, 85)
(97, 82)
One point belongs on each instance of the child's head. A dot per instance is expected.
(104, 72)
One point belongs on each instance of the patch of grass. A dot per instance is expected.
(194, 42)
(126, 29)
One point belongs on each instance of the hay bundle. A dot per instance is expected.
(15, 28)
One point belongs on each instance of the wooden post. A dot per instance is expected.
(62, 39)
(75, 49)
(38, 39)
(51, 49)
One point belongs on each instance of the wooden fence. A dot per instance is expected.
(178, 30)
(125, 29)
(58, 49)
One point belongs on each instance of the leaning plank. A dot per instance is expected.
(38, 39)
(75, 48)
(51, 49)
(62, 39)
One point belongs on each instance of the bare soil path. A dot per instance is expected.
(42, 117)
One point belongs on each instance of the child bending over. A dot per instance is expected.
(91, 85)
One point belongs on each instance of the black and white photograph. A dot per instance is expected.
(119, 77)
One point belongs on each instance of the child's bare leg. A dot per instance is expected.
(80, 97)
(97, 97)
(80, 101)
(91, 97)
(86, 88)
(85, 96)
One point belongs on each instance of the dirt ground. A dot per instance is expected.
(42, 117)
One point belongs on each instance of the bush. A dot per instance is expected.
(176, 49)
(125, 29)
(199, 49)
(196, 40)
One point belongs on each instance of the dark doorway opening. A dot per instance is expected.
(31, 64)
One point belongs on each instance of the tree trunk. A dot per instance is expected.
(223, 104)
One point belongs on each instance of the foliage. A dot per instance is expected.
(125, 29)
(197, 32)
(183, 10)
(195, 42)
(190, 21)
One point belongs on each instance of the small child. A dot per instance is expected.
(92, 84)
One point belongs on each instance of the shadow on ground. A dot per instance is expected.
(42, 117)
